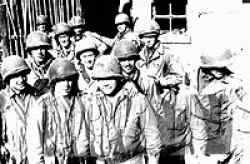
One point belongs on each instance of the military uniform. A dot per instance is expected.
(38, 75)
(102, 43)
(129, 128)
(16, 109)
(60, 132)
(85, 82)
(127, 50)
(212, 107)
(239, 153)
(68, 53)
(123, 127)
(158, 63)
(63, 52)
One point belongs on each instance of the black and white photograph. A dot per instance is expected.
(124, 82)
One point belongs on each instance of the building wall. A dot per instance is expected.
(218, 23)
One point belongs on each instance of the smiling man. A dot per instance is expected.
(127, 53)
(60, 133)
(122, 126)
(39, 60)
(66, 48)
(86, 53)
(17, 102)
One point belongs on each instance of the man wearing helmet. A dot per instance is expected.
(43, 24)
(157, 62)
(215, 109)
(59, 120)
(122, 126)
(86, 53)
(127, 54)
(65, 46)
(80, 32)
(18, 100)
(39, 60)
(123, 26)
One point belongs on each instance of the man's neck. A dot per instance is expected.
(130, 75)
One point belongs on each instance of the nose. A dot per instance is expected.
(40, 50)
(66, 83)
(21, 78)
(126, 62)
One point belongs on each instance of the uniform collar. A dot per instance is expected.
(133, 77)
(149, 54)
(28, 90)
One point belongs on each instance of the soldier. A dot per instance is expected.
(18, 100)
(240, 148)
(127, 54)
(43, 24)
(66, 47)
(78, 25)
(122, 127)
(39, 60)
(212, 106)
(157, 62)
(86, 53)
(123, 26)
(59, 126)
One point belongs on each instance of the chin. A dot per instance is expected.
(20, 88)
(108, 91)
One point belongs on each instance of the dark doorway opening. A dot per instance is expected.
(100, 15)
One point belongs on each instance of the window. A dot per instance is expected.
(171, 15)
(172, 18)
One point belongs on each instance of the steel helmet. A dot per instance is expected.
(13, 65)
(85, 44)
(42, 20)
(61, 69)
(126, 49)
(122, 18)
(218, 57)
(62, 28)
(106, 67)
(150, 27)
(37, 39)
(76, 21)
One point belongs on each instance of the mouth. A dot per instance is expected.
(21, 85)
(41, 57)
(129, 67)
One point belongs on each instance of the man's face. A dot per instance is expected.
(149, 40)
(64, 40)
(41, 28)
(39, 55)
(87, 58)
(108, 86)
(18, 83)
(78, 33)
(121, 28)
(63, 88)
(213, 73)
(128, 66)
